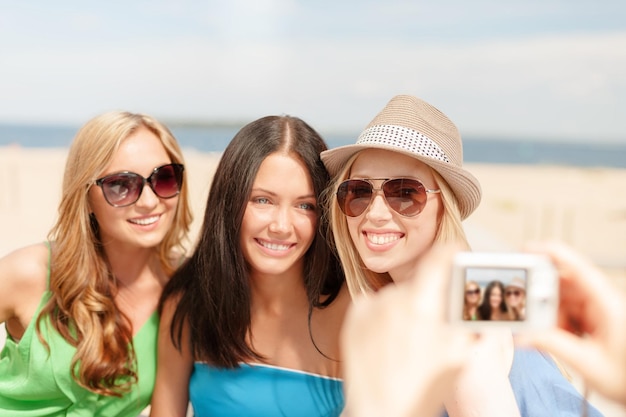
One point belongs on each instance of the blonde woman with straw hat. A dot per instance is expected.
(397, 192)
(515, 298)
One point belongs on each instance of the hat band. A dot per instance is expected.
(402, 138)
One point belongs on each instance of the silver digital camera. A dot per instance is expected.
(515, 290)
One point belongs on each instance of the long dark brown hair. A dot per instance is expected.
(484, 309)
(212, 287)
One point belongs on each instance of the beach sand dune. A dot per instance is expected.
(585, 207)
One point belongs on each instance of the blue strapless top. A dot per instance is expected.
(262, 390)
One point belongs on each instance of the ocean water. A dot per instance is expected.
(477, 150)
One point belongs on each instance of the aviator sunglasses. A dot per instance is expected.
(405, 196)
(124, 188)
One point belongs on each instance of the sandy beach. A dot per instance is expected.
(583, 207)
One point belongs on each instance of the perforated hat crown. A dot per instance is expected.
(413, 127)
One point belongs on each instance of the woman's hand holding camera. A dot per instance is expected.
(591, 338)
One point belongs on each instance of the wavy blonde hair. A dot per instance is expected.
(81, 307)
(361, 280)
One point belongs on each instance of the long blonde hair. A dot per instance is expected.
(361, 280)
(466, 308)
(81, 307)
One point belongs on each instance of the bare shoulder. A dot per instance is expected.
(166, 332)
(23, 274)
(169, 307)
(27, 266)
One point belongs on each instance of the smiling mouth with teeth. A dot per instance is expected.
(382, 239)
(273, 246)
(146, 221)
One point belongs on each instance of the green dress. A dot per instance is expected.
(35, 382)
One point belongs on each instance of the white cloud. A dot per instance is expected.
(251, 63)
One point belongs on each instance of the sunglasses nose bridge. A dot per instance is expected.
(378, 205)
(377, 191)
(149, 181)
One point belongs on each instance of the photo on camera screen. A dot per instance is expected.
(495, 293)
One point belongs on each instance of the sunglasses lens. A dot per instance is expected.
(122, 189)
(354, 197)
(406, 196)
(166, 180)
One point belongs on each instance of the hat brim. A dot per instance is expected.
(516, 286)
(464, 185)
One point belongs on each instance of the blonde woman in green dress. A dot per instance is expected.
(80, 310)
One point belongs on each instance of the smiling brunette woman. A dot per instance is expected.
(251, 322)
(80, 310)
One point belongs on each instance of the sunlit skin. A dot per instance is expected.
(280, 220)
(144, 224)
(385, 240)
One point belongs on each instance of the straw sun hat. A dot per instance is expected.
(415, 128)
(516, 283)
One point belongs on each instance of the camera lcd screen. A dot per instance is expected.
(494, 294)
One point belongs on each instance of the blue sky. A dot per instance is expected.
(540, 69)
